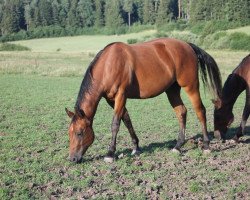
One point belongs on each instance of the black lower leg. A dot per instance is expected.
(206, 144)
(246, 112)
(206, 140)
(114, 128)
(127, 121)
(180, 141)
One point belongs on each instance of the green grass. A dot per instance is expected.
(78, 43)
(13, 47)
(245, 29)
(37, 86)
(46, 64)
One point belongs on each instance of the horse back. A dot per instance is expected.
(243, 70)
(146, 70)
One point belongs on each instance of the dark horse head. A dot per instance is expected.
(223, 117)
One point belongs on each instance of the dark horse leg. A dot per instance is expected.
(194, 96)
(175, 100)
(245, 115)
(127, 121)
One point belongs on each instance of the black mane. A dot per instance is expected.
(86, 85)
(87, 81)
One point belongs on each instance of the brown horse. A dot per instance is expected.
(235, 84)
(140, 71)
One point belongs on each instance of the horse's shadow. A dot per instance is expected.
(152, 147)
(232, 131)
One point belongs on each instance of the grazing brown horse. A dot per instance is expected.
(235, 84)
(140, 71)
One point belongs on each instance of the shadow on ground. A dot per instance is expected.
(154, 146)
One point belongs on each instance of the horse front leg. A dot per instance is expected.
(128, 123)
(119, 107)
(245, 115)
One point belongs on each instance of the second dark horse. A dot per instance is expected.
(145, 70)
(235, 84)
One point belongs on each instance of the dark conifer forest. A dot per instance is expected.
(45, 18)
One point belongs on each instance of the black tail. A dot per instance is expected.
(208, 65)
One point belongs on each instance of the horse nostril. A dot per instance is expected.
(74, 159)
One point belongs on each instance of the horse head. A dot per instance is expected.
(223, 118)
(81, 134)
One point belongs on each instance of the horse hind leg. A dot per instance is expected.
(194, 96)
(175, 100)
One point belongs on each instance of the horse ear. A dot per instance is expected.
(69, 113)
(79, 112)
(217, 103)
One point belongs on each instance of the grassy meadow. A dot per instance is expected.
(35, 88)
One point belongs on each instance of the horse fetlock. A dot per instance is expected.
(217, 135)
(235, 139)
(109, 159)
(206, 151)
(206, 145)
(176, 150)
(136, 151)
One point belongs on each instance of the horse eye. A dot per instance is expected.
(79, 134)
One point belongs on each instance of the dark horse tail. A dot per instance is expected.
(208, 65)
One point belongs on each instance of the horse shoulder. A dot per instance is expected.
(117, 68)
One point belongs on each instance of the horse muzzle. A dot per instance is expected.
(75, 158)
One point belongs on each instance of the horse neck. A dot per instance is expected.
(88, 99)
(89, 103)
(233, 87)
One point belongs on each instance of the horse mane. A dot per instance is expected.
(86, 85)
(233, 87)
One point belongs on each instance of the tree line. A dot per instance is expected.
(28, 15)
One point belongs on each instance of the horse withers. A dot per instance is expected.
(141, 71)
(235, 84)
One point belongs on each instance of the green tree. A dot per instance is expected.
(113, 18)
(73, 20)
(148, 12)
(197, 8)
(12, 17)
(85, 11)
(63, 13)
(164, 15)
(99, 13)
(55, 12)
(128, 7)
(45, 12)
(27, 16)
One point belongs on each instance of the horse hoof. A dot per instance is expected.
(234, 141)
(217, 136)
(176, 151)
(206, 151)
(135, 152)
(108, 159)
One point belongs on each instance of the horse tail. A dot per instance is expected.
(208, 65)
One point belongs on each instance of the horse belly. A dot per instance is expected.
(149, 87)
